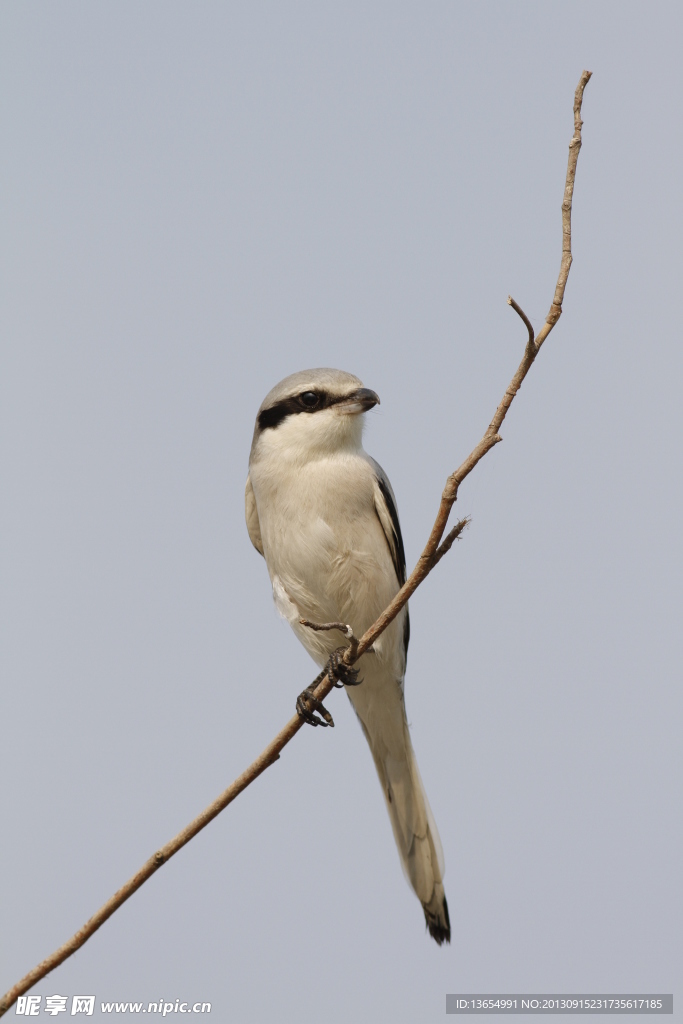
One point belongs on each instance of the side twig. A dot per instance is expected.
(433, 552)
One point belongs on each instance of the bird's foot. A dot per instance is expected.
(307, 705)
(339, 672)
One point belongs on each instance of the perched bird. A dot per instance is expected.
(322, 513)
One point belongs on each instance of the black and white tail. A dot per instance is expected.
(379, 706)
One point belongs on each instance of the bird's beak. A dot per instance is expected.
(359, 401)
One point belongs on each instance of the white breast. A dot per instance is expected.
(324, 545)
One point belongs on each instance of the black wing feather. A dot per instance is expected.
(397, 551)
(398, 555)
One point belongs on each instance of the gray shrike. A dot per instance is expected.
(323, 515)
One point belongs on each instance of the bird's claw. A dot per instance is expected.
(307, 705)
(339, 672)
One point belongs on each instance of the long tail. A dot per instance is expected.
(380, 708)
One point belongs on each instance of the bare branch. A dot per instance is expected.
(574, 148)
(433, 552)
(553, 316)
(263, 761)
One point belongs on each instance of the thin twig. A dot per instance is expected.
(518, 309)
(342, 627)
(434, 550)
(449, 540)
(574, 148)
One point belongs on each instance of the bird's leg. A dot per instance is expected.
(307, 704)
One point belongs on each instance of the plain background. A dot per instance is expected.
(198, 199)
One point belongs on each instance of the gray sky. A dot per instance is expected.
(197, 200)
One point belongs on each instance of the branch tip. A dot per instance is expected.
(520, 313)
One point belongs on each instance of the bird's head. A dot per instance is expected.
(312, 413)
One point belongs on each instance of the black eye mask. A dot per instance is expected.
(307, 401)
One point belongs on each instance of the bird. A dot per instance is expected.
(323, 514)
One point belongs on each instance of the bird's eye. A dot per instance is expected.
(309, 399)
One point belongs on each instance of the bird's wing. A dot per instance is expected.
(385, 506)
(251, 512)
